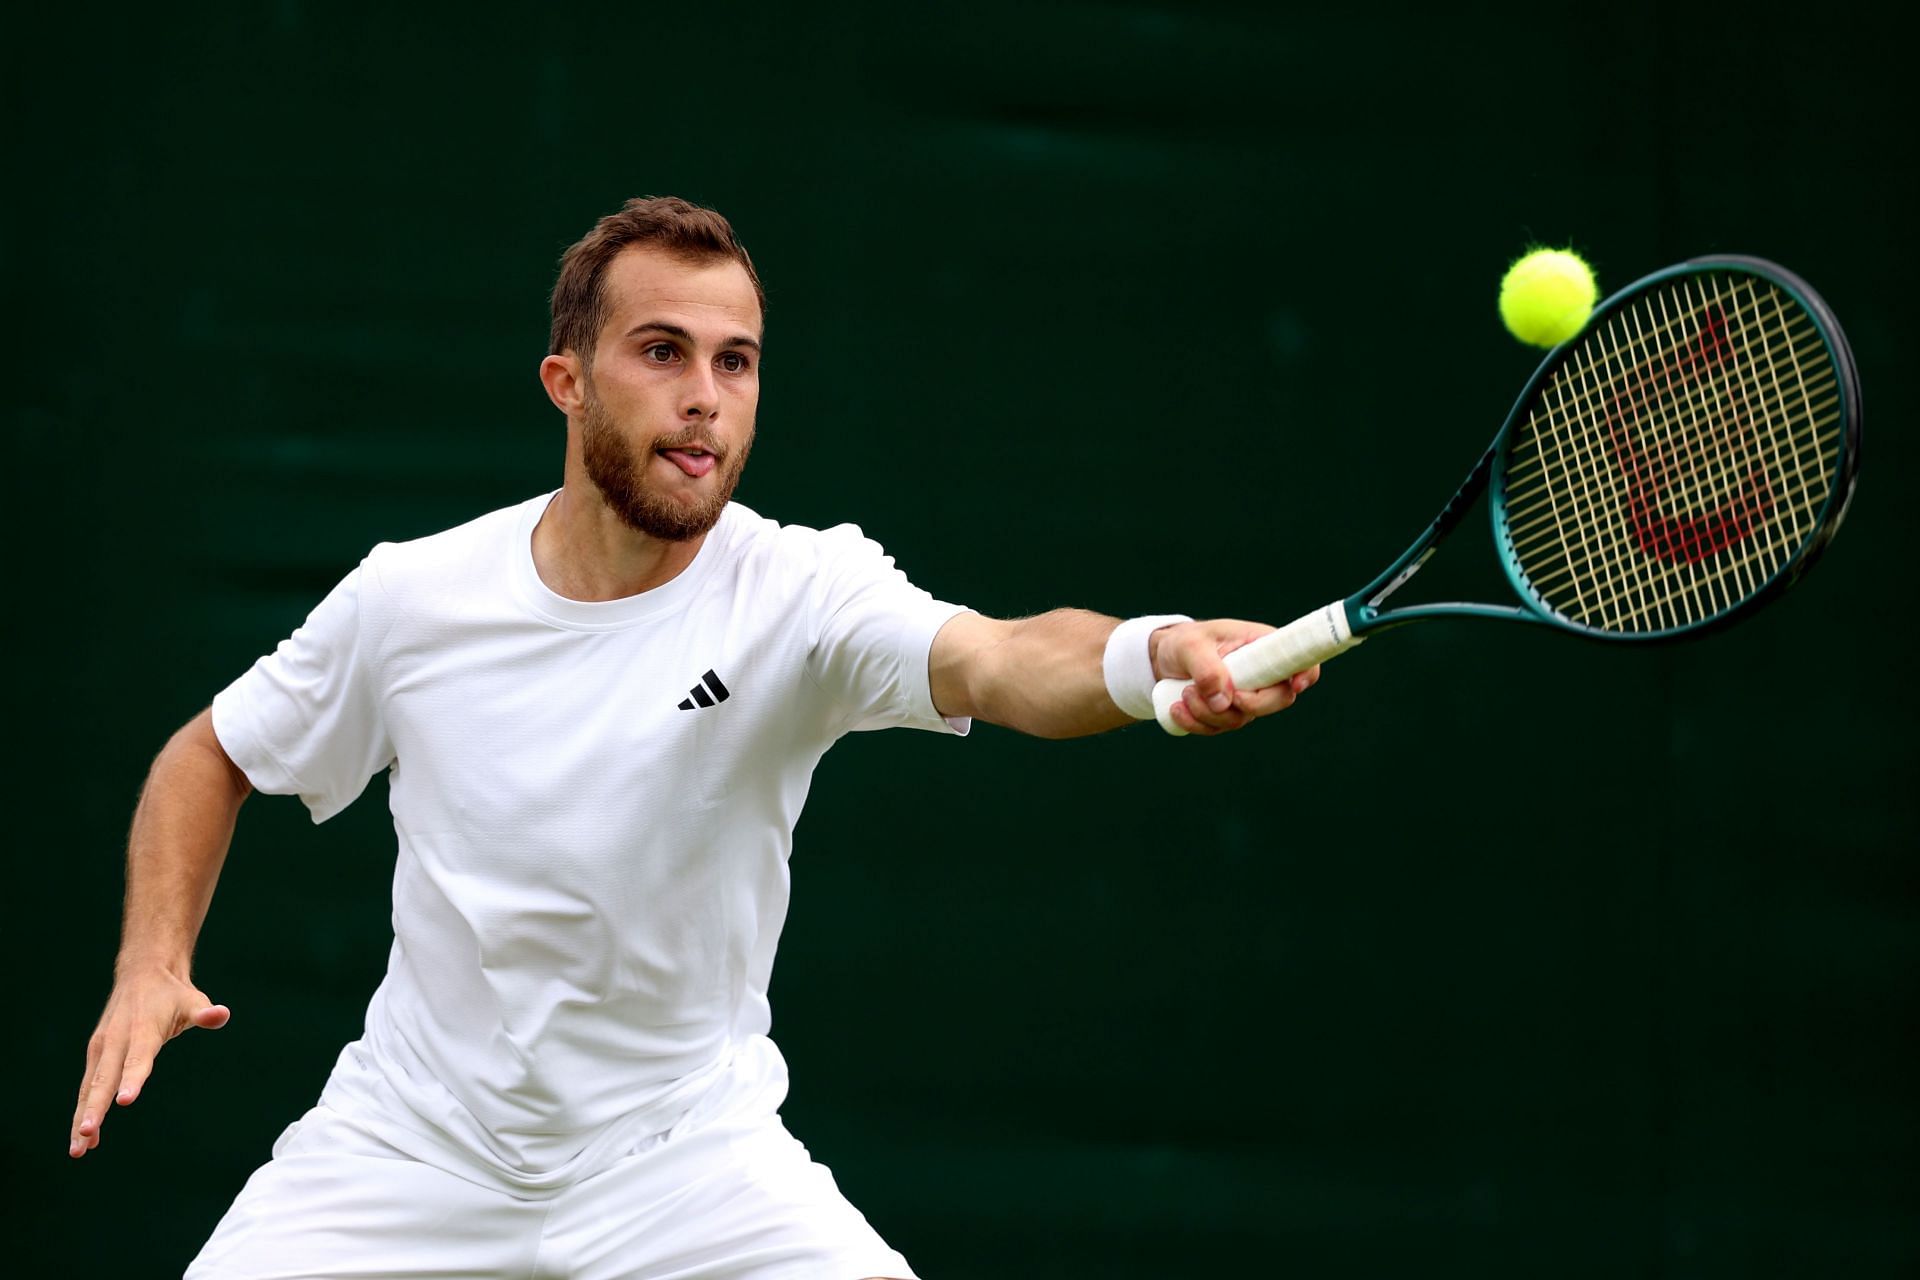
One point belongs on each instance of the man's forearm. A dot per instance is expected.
(181, 829)
(1047, 676)
(1039, 675)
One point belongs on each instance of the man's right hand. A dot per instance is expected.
(146, 1010)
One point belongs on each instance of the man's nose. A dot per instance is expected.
(702, 396)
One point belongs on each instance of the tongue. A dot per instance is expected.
(694, 464)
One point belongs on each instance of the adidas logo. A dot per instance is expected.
(699, 697)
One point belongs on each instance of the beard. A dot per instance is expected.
(621, 476)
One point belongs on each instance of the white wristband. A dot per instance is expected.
(1128, 664)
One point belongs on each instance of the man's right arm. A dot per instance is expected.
(181, 829)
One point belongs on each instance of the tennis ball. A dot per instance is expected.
(1547, 296)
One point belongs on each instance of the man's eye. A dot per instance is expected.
(660, 353)
(733, 362)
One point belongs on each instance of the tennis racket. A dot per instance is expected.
(1677, 464)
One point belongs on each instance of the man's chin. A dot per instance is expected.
(679, 517)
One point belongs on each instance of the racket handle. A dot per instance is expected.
(1300, 644)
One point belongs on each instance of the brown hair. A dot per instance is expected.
(686, 230)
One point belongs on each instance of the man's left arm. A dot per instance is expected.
(1045, 675)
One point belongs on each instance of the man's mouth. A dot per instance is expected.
(694, 461)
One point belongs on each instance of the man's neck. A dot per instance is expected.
(583, 551)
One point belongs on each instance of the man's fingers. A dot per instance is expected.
(139, 1066)
(213, 1017)
(1264, 702)
(1196, 715)
(96, 1046)
(76, 1141)
(1184, 717)
(1210, 678)
(105, 1081)
(1212, 721)
(101, 1083)
(105, 1053)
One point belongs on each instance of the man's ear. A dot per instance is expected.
(565, 382)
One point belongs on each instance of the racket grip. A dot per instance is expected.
(1307, 640)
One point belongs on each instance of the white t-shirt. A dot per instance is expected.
(594, 803)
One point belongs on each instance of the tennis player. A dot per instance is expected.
(599, 711)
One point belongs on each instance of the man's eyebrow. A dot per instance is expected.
(675, 331)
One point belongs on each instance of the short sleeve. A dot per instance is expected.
(305, 720)
(875, 630)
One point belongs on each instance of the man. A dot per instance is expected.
(600, 711)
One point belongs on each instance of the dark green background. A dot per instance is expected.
(1500, 955)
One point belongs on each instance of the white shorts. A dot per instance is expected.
(726, 1194)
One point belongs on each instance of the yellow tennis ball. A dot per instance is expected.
(1547, 296)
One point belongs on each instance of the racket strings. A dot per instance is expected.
(1821, 394)
(1798, 503)
(1679, 459)
(1720, 585)
(1526, 522)
(1629, 484)
(1644, 598)
(1667, 401)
